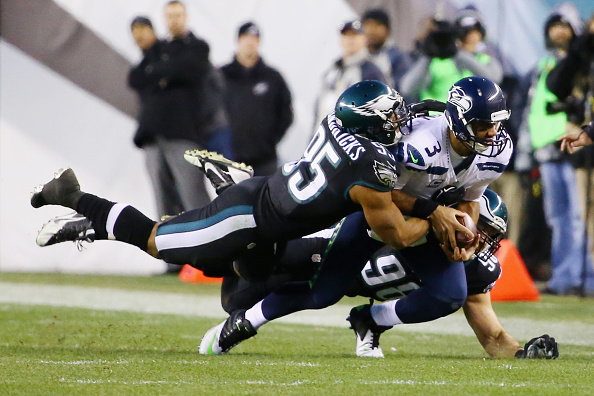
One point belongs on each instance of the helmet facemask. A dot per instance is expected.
(490, 239)
(394, 120)
(390, 132)
(483, 145)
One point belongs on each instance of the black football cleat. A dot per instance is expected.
(63, 190)
(367, 332)
(220, 339)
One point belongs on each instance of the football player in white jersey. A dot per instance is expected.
(448, 159)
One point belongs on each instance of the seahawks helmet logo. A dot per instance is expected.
(386, 173)
(383, 103)
(458, 98)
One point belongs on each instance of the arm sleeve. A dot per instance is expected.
(284, 109)
(491, 70)
(190, 66)
(589, 129)
(560, 78)
(139, 76)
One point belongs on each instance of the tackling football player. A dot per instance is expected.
(345, 168)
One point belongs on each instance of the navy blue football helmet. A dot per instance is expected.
(492, 224)
(367, 108)
(475, 100)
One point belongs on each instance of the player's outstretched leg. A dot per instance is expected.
(220, 171)
(71, 227)
(63, 190)
(110, 220)
(220, 339)
(367, 332)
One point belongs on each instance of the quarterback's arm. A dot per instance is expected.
(443, 219)
(386, 219)
(489, 331)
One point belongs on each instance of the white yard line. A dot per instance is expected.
(209, 306)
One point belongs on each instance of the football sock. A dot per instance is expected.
(95, 209)
(116, 221)
(128, 225)
(385, 314)
(256, 316)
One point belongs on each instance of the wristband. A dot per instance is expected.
(423, 208)
(589, 129)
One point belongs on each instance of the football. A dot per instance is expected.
(463, 240)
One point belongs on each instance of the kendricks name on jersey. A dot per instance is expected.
(346, 141)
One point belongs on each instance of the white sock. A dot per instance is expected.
(256, 316)
(112, 217)
(384, 314)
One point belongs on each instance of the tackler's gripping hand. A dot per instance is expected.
(543, 347)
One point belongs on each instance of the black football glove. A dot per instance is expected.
(543, 347)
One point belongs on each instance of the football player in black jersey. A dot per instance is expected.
(387, 275)
(345, 169)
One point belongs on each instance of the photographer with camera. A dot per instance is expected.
(445, 58)
(575, 73)
(573, 77)
(548, 118)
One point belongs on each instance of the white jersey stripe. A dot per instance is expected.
(205, 235)
(112, 217)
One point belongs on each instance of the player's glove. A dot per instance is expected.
(543, 347)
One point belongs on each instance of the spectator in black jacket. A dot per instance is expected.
(258, 104)
(179, 112)
(575, 70)
(138, 79)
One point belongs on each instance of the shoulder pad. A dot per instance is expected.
(386, 173)
(413, 157)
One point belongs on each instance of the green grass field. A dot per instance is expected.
(61, 350)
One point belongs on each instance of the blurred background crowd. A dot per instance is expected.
(252, 79)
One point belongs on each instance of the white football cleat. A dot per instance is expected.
(71, 227)
(367, 332)
(220, 171)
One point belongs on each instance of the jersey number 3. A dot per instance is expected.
(308, 179)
